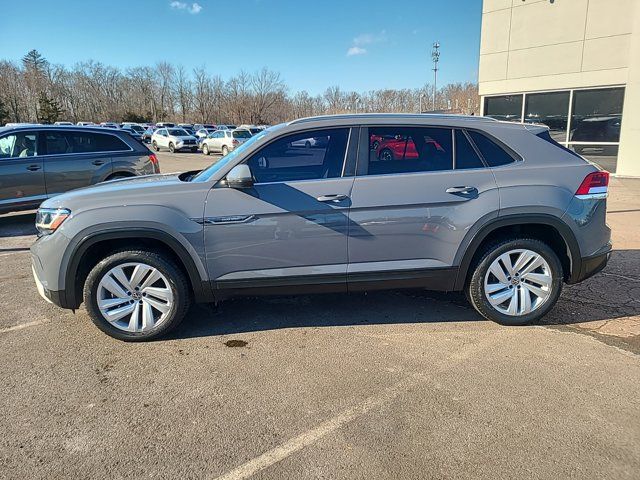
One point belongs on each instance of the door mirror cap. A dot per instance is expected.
(240, 177)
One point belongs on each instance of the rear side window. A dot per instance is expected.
(466, 156)
(409, 149)
(59, 143)
(493, 154)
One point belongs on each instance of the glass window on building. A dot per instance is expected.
(550, 109)
(597, 115)
(506, 107)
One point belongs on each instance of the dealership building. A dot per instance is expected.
(573, 65)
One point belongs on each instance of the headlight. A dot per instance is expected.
(49, 219)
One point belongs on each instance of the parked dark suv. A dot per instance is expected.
(496, 209)
(38, 162)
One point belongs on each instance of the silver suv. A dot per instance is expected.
(337, 203)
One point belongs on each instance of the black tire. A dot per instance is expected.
(205, 149)
(225, 150)
(177, 280)
(194, 149)
(475, 288)
(172, 148)
(117, 176)
(386, 155)
(155, 146)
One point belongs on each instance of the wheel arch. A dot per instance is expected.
(548, 228)
(102, 243)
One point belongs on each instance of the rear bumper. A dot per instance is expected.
(592, 264)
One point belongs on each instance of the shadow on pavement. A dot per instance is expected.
(17, 224)
(613, 293)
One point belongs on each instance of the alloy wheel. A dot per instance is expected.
(134, 297)
(518, 282)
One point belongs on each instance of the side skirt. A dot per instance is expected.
(440, 279)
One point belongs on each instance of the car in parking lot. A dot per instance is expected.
(224, 141)
(173, 139)
(147, 134)
(501, 212)
(40, 161)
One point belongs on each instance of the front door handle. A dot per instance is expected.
(462, 190)
(33, 168)
(331, 198)
(98, 162)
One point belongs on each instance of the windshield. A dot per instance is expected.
(178, 132)
(208, 172)
(136, 128)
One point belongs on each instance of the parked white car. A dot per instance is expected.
(174, 139)
(224, 141)
(204, 132)
(85, 124)
(70, 124)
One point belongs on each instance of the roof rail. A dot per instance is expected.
(347, 116)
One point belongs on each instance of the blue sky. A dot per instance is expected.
(363, 45)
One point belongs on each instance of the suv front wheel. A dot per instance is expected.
(516, 281)
(136, 295)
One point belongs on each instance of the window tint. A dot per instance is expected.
(304, 156)
(466, 156)
(409, 149)
(56, 143)
(492, 153)
(597, 115)
(551, 109)
(18, 145)
(506, 107)
(241, 134)
(111, 143)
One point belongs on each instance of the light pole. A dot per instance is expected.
(435, 56)
(422, 95)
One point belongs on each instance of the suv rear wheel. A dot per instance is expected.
(516, 281)
(136, 295)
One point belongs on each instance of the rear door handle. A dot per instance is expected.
(462, 190)
(33, 168)
(331, 198)
(98, 162)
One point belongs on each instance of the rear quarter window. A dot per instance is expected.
(493, 154)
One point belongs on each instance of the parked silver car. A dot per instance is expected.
(495, 209)
(173, 139)
(224, 141)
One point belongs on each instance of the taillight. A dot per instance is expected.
(154, 161)
(235, 142)
(594, 185)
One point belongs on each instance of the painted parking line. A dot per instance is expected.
(7, 252)
(313, 435)
(24, 325)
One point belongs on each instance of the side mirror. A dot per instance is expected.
(240, 177)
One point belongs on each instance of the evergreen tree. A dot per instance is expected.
(34, 62)
(48, 109)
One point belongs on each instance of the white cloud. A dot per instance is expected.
(356, 51)
(194, 8)
(364, 39)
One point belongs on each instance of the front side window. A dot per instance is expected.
(303, 156)
(409, 149)
(18, 145)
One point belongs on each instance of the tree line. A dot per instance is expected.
(35, 90)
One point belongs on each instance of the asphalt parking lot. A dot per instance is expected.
(401, 384)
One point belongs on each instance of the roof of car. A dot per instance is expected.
(66, 128)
